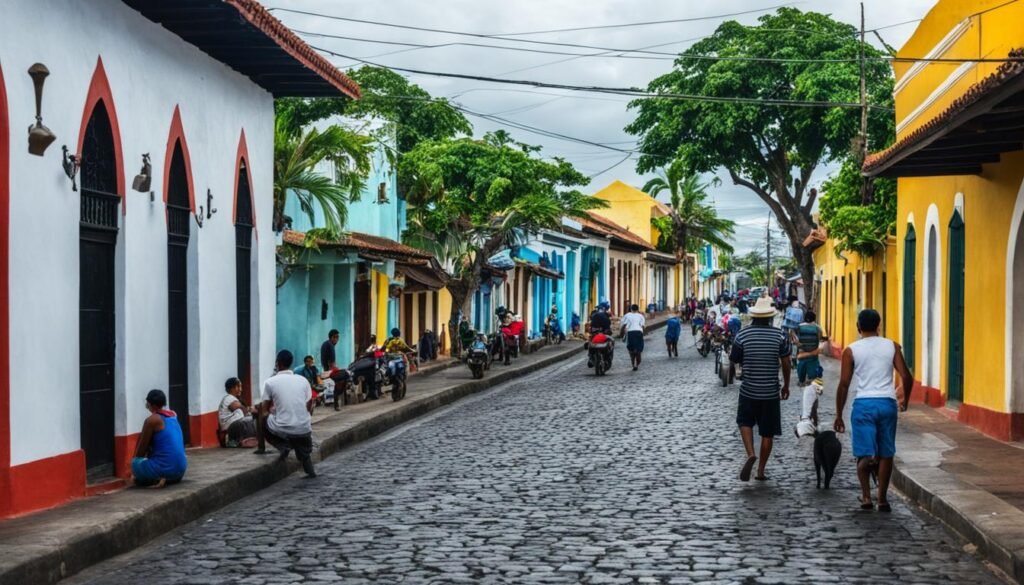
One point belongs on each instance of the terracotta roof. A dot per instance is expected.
(978, 100)
(604, 226)
(243, 35)
(545, 271)
(366, 243)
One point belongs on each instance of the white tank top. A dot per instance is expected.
(873, 367)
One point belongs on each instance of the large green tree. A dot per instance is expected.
(691, 221)
(469, 199)
(800, 61)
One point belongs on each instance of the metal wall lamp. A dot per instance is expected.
(70, 163)
(209, 211)
(39, 137)
(144, 179)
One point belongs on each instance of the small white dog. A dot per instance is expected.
(808, 425)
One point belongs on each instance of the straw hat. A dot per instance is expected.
(763, 308)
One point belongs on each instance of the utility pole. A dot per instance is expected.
(862, 146)
(768, 240)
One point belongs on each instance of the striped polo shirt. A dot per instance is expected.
(760, 350)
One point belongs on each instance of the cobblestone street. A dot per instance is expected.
(562, 478)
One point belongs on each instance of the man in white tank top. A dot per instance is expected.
(868, 364)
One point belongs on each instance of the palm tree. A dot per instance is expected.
(298, 152)
(691, 222)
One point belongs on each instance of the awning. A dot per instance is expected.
(370, 247)
(661, 258)
(977, 128)
(542, 271)
(243, 35)
(419, 278)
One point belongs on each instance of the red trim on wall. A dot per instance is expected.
(5, 345)
(178, 133)
(99, 90)
(243, 153)
(1004, 426)
(204, 426)
(124, 449)
(44, 483)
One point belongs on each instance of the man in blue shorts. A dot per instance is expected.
(868, 365)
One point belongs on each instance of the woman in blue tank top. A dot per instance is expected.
(160, 453)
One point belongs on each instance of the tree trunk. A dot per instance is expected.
(460, 293)
(805, 260)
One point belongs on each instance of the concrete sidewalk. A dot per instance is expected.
(972, 483)
(47, 546)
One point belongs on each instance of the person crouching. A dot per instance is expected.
(160, 453)
(289, 425)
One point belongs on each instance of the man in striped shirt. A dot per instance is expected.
(762, 349)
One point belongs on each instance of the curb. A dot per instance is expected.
(125, 532)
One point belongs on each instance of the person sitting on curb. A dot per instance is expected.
(868, 364)
(234, 417)
(160, 453)
(288, 398)
(312, 375)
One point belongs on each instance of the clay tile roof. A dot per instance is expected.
(243, 35)
(945, 122)
(604, 226)
(359, 242)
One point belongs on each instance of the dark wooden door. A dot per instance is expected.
(96, 317)
(178, 231)
(955, 363)
(243, 280)
(361, 311)
(909, 295)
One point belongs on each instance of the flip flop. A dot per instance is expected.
(866, 505)
(747, 468)
(884, 507)
(761, 478)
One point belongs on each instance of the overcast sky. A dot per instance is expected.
(593, 117)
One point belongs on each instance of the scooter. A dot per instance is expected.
(342, 379)
(600, 350)
(376, 370)
(553, 330)
(478, 358)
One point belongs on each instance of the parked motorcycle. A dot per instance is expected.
(376, 370)
(478, 357)
(599, 353)
(342, 379)
(553, 330)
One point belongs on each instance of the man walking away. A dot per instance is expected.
(632, 325)
(290, 426)
(672, 329)
(327, 355)
(761, 349)
(808, 338)
(868, 363)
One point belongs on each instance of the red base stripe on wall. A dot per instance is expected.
(204, 429)
(45, 483)
(1004, 426)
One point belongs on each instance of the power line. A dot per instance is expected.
(618, 90)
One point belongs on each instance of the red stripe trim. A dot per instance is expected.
(99, 92)
(176, 134)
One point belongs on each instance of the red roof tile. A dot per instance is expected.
(362, 243)
(606, 226)
(1004, 73)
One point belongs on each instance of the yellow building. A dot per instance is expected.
(959, 248)
(659, 276)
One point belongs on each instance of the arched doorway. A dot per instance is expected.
(955, 314)
(243, 278)
(97, 243)
(179, 216)
(909, 294)
(931, 341)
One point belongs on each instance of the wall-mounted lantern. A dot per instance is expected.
(39, 137)
(209, 211)
(144, 179)
(70, 164)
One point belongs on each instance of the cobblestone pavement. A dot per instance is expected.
(562, 478)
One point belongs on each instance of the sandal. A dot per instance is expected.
(747, 468)
(884, 507)
(866, 505)
(761, 478)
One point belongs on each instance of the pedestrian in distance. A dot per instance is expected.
(327, 354)
(868, 365)
(632, 326)
(673, 327)
(289, 425)
(807, 338)
(762, 350)
(160, 452)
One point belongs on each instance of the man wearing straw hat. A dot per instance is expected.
(762, 349)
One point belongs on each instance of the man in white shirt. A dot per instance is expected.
(632, 325)
(234, 416)
(289, 425)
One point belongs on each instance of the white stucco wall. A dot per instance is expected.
(150, 71)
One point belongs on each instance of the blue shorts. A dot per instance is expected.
(145, 473)
(874, 427)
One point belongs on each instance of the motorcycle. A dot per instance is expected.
(600, 349)
(342, 379)
(553, 330)
(376, 370)
(478, 358)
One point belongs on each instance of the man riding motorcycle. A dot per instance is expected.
(601, 323)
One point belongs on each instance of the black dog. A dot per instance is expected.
(827, 450)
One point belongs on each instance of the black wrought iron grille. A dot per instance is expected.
(178, 210)
(99, 172)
